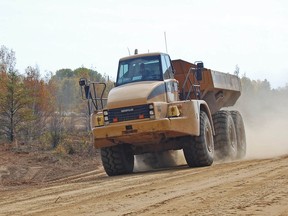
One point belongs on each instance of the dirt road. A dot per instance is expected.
(251, 187)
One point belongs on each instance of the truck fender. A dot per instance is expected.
(203, 106)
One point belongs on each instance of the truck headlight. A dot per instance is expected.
(151, 111)
(106, 117)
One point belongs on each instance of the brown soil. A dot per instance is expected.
(21, 167)
(50, 184)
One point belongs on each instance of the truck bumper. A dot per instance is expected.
(146, 131)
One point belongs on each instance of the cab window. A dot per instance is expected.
(166, 67)
(147, 68)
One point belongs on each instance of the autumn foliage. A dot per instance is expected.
(45, 111)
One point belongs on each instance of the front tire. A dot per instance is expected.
(117, 160)
(200, 150)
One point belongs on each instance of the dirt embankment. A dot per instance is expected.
(23, 167)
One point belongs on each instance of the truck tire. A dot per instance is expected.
(200, 150)
(225, 136)
(240, 133)
(117, 160)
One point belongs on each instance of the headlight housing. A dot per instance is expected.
(97, 120)
(106, 117)
(151, 111)
(174, 111)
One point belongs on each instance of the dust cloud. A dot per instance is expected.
(266, 123)
(268, 138)
(157, 160)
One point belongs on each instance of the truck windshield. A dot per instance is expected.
(139, 69)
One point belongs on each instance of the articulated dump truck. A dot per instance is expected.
(158, 106)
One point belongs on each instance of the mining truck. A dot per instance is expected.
(158, 105)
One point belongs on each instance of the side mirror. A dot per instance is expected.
(199, 69)
(84, 83)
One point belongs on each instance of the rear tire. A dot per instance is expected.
(225, 135)
(200, 150)
(117, 160)
(240, 133)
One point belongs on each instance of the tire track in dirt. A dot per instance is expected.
(255, 187)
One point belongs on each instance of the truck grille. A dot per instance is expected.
(128, 113)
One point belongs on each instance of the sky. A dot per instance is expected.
(57, 34)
